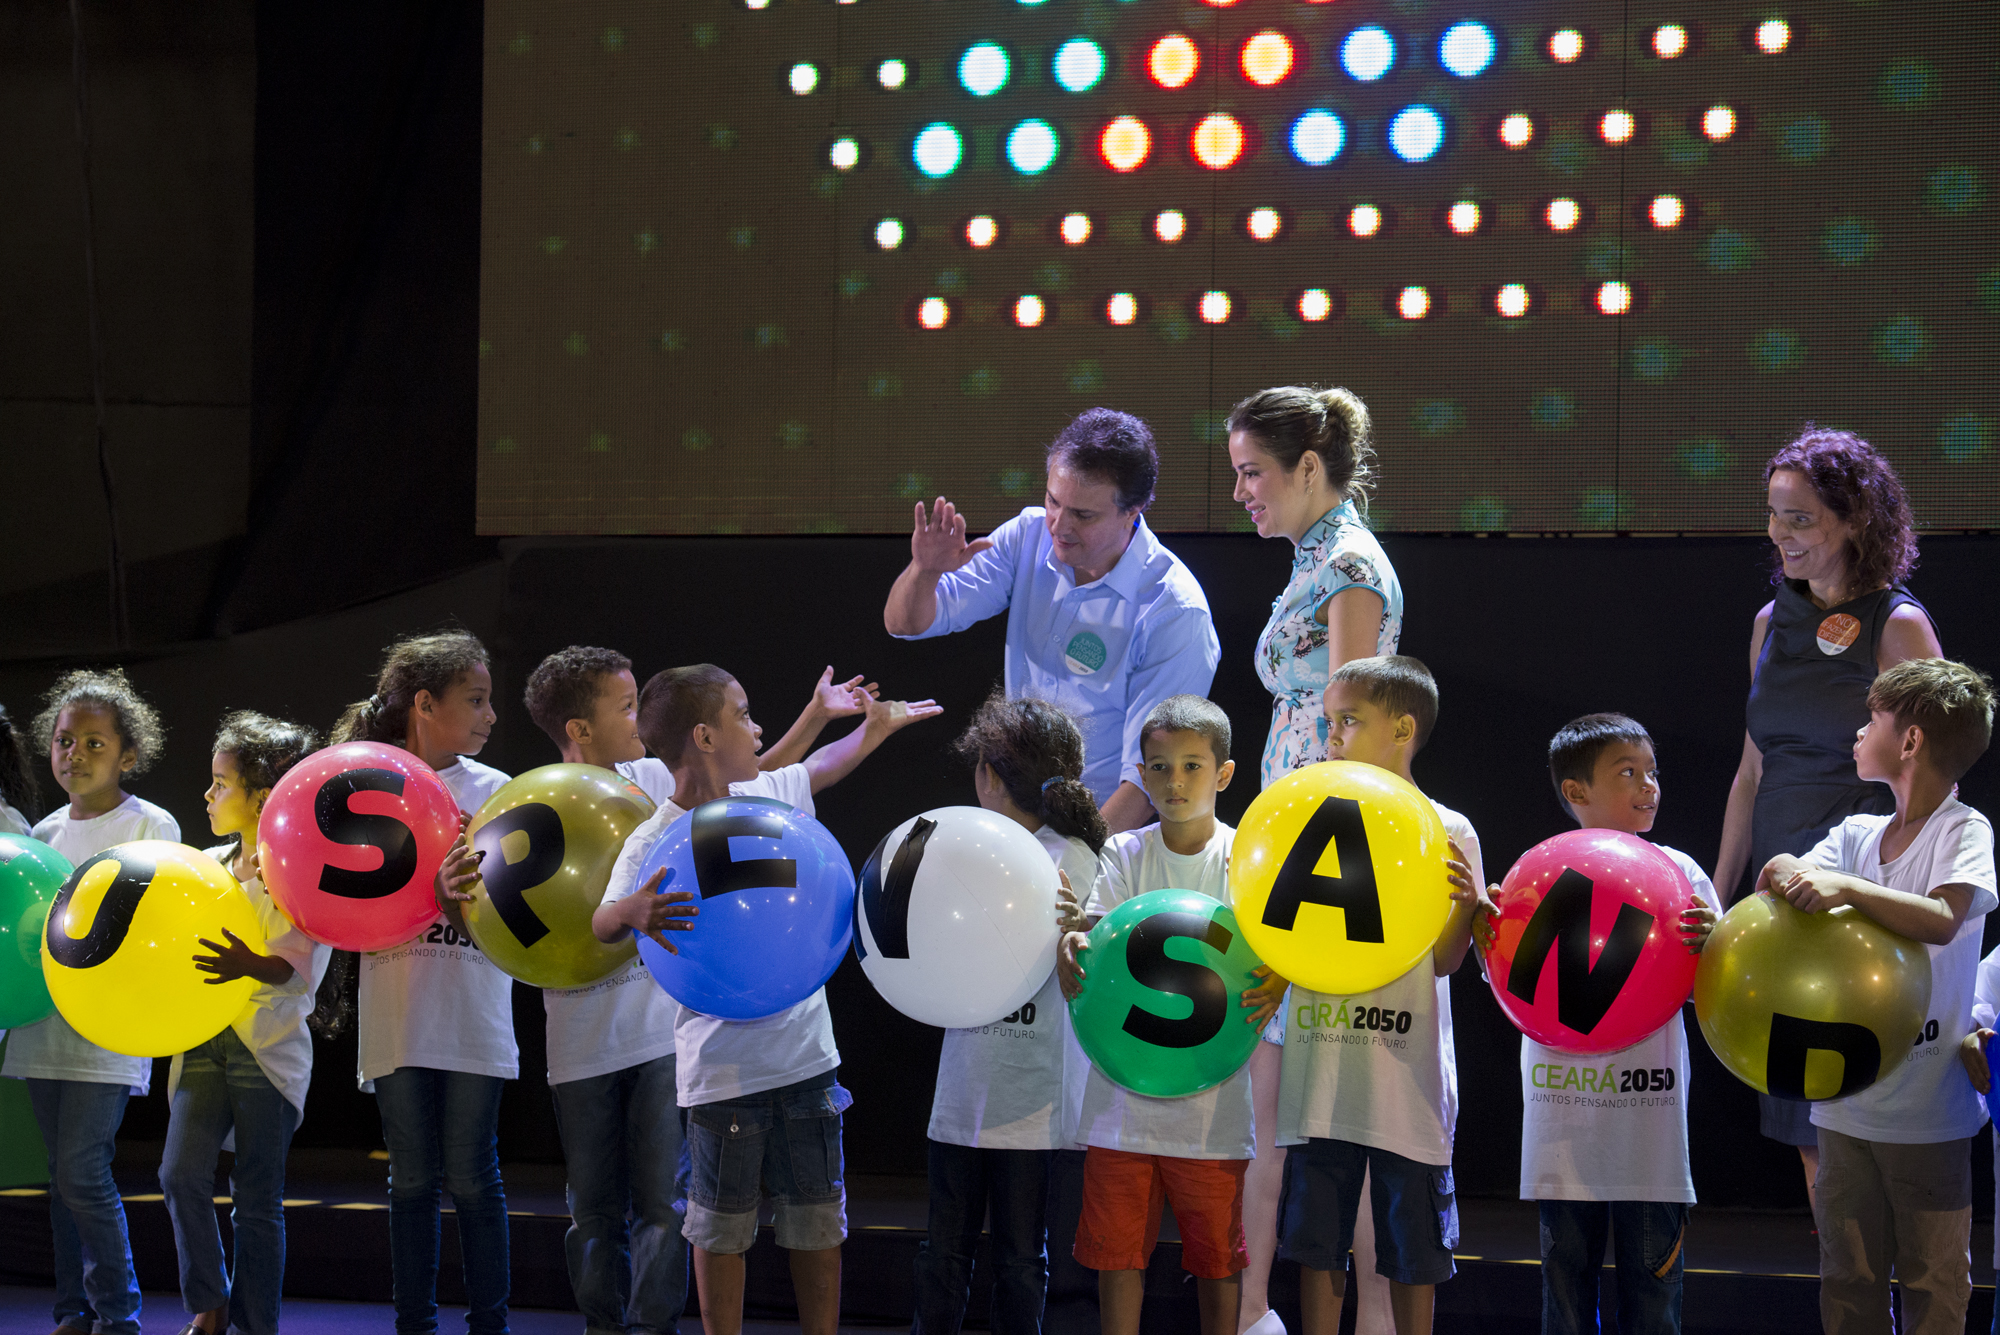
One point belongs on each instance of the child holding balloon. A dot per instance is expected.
(248, 1082)
(97, 731)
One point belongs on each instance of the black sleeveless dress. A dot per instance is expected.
(1809, 697)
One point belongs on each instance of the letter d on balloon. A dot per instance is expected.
(1860, 1053)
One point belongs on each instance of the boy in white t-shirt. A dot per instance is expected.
(1894, 1194)
(760, 1094)
(1972, 1052)
(611, 1042)
(1356, 1102)
(1188, 1152)
(1616, 1165)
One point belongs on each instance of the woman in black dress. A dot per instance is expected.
(1845, 541)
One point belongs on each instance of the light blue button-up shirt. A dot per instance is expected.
(1107, 651)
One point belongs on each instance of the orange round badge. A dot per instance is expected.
(1837, 632)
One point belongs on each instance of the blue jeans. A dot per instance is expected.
(1649, 1237)
(94, 1280)
(621, 1137)
(782, 1142)
(441, 1128)
(964, 1181)
(222, 1089)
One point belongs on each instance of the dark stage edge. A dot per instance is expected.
(1747, 1271)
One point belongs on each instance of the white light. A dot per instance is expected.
(1122, 308)
(1517, 130)
(1718, 122)
(1317, 138)
(1617, 126)
(1413, 303)
(1029, 312)
(934, 313)
(1511, 301)
(1670, 40)
(983, 69)
(1614, 298)
(1563, 214)
(1463, 217)
(981, 232)
(1416, 133)
(1666, 211)
(1565, 45)
(756, 4)
(1170, 226)
(1264, 224)
(1214, 307)
(1364, 220)
(844, 154)
(892, 74)
(1773, 36)
(1466, 49)
(1076, 228)
(805, 77)
(1368, 53)
(1315, 304)
(938, 150)
(889, 233)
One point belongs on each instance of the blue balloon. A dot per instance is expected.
(776, 899)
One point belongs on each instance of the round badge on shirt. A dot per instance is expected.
(1837, 632)
(1085, 653)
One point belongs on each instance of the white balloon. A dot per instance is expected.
(955, 922)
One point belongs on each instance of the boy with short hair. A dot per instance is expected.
(1189, 1152)
(1895, 1170)
(747, 1083)
(1386, 1110)
(1617, 1165)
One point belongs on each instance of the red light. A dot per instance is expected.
(1267, 58)
(1173, 61)
(1217, 141)
(1125, 144)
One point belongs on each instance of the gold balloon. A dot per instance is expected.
(551, 837)
(1809, 1005)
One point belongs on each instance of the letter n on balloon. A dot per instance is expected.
(1584, 993)
(1792, 1039)
(1147, 959)
(1336, 822)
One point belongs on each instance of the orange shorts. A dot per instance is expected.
(1122, 1194)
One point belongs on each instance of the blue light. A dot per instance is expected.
(1467, 49)
(983, 69)
(1317, 138)
(1368, 53)
(1079, 64)
(1032, 147)
(1416, 133)
(938, 149)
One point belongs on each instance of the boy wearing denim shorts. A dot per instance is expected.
(763, 1105)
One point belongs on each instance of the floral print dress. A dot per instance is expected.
(1336, 554)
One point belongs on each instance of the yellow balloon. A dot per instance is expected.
(118, 951)
(1809, 1005)
(551, 837)
(1338, 876)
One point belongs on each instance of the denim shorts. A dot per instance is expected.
(783, 1143)
(1415, 1210)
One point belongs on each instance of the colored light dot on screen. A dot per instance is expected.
(805, 77)
(1125, 144)
(1511, 301)
(1214, 307)
(938, 149)
(983, 69)
(756, 4)
(1563, 214)
(1773, 36)
(1718, 122)
(1170, 225)
(981, 232)
(1267, 58)
(1173, 61)
(1413, 302)
(892, 74)
(1416, 133)
(1032, 146)
(1614, 298)
(1467, 49)
(1075, 228)
(1317, 138)
(1079, 64)
(1368, 53)
(1364, 220)
(1517, 130)
(1670, 40)
(889, 233)
(844, 154)
(1565, 45)
(1315, 304)
(1264, 224)
(1617, 126)
(1666, 211)
(934, 313)
(1463, 217)
(1217, 141)
(1029, 311)
(1122, 308)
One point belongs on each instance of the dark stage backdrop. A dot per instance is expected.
(1522, 633)
(781, 266)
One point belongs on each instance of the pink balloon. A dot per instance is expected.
(350, 841)
(1588, 955)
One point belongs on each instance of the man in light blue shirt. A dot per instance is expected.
(1102, 619)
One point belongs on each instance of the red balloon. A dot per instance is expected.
(351, 840)
(1588, 956)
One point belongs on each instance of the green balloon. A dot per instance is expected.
(30, 875)
(1161, 1008)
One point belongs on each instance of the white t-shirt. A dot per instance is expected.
(49, 1049)
(1610, 1127)
(436, 1001)
(13, 822)
(272, 1024)
(1377, 1069)
(1925, 1099)
(650, 775)
(1217, 1123)
(1985, 1006)
(1004, 1086)
(720, 1059)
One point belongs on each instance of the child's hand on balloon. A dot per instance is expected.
(1484, 932)
(1069, 972)
(1459, 872)
(1697, 921)
(237, 960)
(1069, 913)
(653, 910)
(1265, 998)
(1972, 1055)
(458, 871)
(1812, 888)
